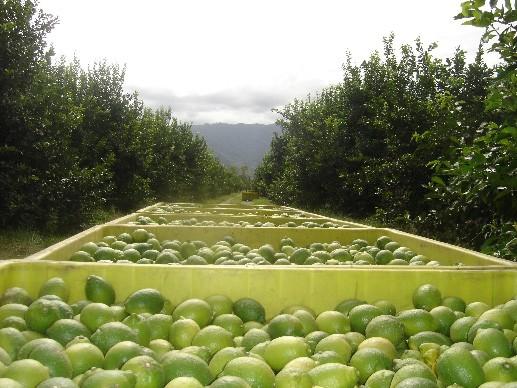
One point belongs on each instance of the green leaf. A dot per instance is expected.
(512, 131)
(439, 181)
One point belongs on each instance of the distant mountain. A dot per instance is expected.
(238, 144)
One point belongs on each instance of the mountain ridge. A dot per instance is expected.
(238, 144)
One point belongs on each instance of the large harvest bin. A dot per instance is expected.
(132, 218)
(234, 211)
(249, 195)
(447, 255)
(166, 206)
(276, 288)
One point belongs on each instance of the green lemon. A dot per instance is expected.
(285, 325)
(29, 373)
(94, 315)
(255, 372)
(98, 290)
(56, 360)
(380, 379)
(184, 382)
(333, 375)
(108, 378)
(222, 357)
(427, 297)
(368, 361)
(337, 343)
(122, 352)
(386, 326)
(249, 309)
(182, 332)
(65, 330)
(458, 366)
(148, 372)
(230, 382)
(11, 341)
(231, 323)
(281, 350)
(83, 357)
(42, 313)
(214, 338)
(361, 315)
(459, 330)
(220, 304)
(500, 369)
(254, 337)
(147, 300)
(195, 309)
(333, 322)
(178, 364)
(493, 342)
(55, 286)
(112, 333)
(413, 370)
(159, 325)
(416, 321)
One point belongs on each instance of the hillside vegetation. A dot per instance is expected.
(415, 141)
(73, 142)
(239, 145)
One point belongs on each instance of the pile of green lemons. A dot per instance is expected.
(146, 342)
(150, 220)
(227, 212)
(142, 247)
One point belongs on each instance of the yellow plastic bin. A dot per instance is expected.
(249, 195)
(276, 220)
(319, 288)
(232, 211)
(446, 254)
(173, 206)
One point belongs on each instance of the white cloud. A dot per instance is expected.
(234, 60)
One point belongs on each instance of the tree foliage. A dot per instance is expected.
(366, 143)
(369, 145)
(73, 141)
(422, 143)
(478, 184)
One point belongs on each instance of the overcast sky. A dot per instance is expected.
(234, 60)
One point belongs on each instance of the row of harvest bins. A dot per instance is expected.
(469, 275)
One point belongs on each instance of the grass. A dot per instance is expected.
(20, 243)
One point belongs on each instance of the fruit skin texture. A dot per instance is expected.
(147, 300)
(98, 290)
(28, 372)
(334, 375)
(249, 309)
(500, 369)
(179, 364)
(112, 333)
(281, 350)
(493, 342)
(387, 327)
(416, 321)
(255, 372)
(368, 361)
(458, 366)
(427, 297)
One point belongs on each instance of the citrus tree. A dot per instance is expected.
(478, 186)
